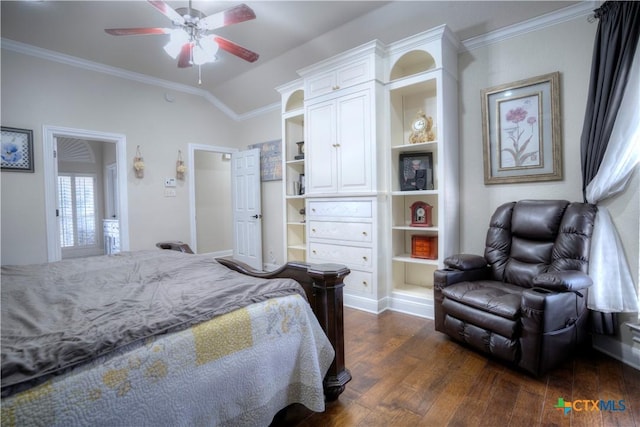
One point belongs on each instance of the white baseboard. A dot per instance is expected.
(621, 351)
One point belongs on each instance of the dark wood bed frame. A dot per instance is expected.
(323, 285)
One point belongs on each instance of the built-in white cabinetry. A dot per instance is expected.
(422, 78)
(293, 171)
(344, 231)
(356, 120)
(340, 143)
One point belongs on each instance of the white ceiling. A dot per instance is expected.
(288, 35)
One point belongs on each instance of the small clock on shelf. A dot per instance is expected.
(421, 214)
(421, 129)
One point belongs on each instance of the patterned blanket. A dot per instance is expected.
(237, 369)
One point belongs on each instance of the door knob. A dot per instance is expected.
(257, 216)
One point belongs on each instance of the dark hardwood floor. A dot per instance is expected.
(407, 374)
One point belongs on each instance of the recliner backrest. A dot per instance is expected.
(530, 237)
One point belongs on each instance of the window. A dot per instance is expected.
(77, 201)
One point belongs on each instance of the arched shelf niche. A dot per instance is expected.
(295, 101)
(413, 62)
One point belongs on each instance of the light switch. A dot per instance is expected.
(170, 182)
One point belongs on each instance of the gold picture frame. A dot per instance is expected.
(522, 139)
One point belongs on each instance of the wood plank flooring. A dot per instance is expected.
(407, 374)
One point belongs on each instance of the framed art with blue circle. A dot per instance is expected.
(17, 150)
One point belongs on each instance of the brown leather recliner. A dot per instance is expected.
(525, 301)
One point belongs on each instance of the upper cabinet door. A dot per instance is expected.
(321, 150)
(354, 142)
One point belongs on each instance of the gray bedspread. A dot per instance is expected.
(57, 315)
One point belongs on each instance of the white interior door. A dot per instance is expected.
(247, 209)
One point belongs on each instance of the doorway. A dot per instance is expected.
(78, 144)
(210, 199)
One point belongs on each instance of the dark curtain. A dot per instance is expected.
(613, 53)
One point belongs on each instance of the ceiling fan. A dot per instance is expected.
(191, 38)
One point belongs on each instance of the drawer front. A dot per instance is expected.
(353, 74)
(341, 78)
(349, 255)
(352, 231)
(340, 209)
(359, 281)
(320, 85)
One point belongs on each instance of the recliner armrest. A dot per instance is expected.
(465, 262)
(561, 281)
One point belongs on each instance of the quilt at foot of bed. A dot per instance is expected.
(237, 369)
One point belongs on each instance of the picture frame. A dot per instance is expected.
(522, 138)
(416, 171)
(17, 150)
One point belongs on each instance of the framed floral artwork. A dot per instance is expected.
(17, 150)
(521, 131)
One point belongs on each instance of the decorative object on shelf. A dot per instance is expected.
(425, 247)
(421, 214)
(303, 212)
(17, 150)
(138, 163)
(300, 154)
(180, 167)
(422, 129)
(521, 131)
(302, 184)
(416, 171)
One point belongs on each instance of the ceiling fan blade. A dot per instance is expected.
(236, 49)
(184, 60)
(167, 11)
(229, 16)
(136, 31)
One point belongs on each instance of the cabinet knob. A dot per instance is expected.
(364, 283)
(364, 258)
(314, 251)
(364, 233)
(313, 230)
(336, 87)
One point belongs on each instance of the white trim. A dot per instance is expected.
(622, 351)
(192, 188)
(74, 61)
(582, 9)
(49, 133)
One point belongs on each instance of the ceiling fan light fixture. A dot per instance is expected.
(177, 38)
(205, 51)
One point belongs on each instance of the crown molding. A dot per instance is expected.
(74, 61)
(582, 9)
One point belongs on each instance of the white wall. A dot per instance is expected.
(36, 92)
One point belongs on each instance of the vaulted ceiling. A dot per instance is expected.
(288, 35)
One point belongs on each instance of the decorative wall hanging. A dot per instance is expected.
(270, 160)
(521, 131)
(17, 150)
(138, 163)
(180, 167)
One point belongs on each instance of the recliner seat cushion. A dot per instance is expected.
(501, 299)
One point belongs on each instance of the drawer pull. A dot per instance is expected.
(313, 230)
(364, 258)
(364, 283)
(336, 87)
(364, 233)
(314, 251)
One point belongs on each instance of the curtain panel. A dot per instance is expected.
(610, 152)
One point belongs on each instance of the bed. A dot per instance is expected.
(167, 337)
